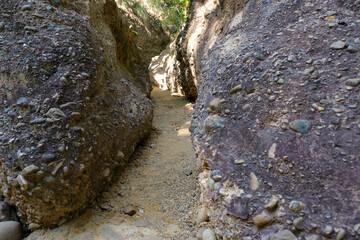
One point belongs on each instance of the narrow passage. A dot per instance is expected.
(160, 182)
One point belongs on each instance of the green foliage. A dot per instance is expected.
(171, 13)
(176, 13)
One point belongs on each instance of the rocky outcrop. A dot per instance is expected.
(276, 124)
(73, 108)
(163, 70)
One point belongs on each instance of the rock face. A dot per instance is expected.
(72, 109)
(289, 115)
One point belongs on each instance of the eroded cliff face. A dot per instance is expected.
(276, 124)
(74, 104)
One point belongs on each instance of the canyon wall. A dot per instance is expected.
(74, 93)
(276, 122)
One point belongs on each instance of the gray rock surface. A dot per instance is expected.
(73, 109)
(10, 230)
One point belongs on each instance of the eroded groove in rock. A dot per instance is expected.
(70, 114)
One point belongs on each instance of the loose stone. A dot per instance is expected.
(2, 26)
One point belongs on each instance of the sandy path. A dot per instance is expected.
(160, 182)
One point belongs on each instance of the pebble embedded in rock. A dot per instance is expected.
(246, 107)
(296, 206)
(22, 102)
(254, 181)
(308, 71)
(55, 113)
(69, 105)
(213, 122)
(357, 229)
(353, 82)
(38, 120)
(262, 219)
(216, 175)
(10, 230)
(312, 237)
(2, 26)
(29, 170)
(283, 235)
(208, 234)
(300, 126)
(34, 226)
(272, 203)
(143, 223)
(211, 184)
(130, 210)
(215, 105)
(328, 230)
(299, 223)
(202, 215)
(291, 58)
(341, 234)
(30, 28)
(338, 45)
(22, 182)
(352, 49)
(48, 156)
(236, 89)
(26, 7)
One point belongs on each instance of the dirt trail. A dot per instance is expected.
(160, 181)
